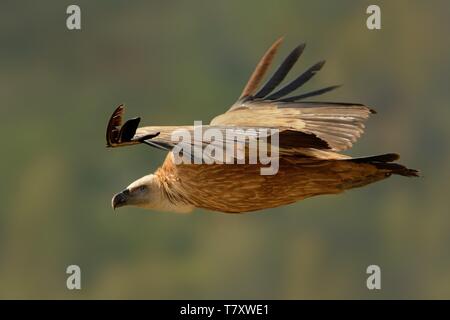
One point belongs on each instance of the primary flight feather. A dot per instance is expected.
(309, 134)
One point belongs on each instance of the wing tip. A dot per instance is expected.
(300, 48)
(118, 134)
(261, 69)
(112, 130)
(319, 65)
(278, 41)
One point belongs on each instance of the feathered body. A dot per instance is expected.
(311, 134)
(241, 187)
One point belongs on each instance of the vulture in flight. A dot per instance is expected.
(310, 135)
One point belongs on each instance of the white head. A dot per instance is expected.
(147, 193)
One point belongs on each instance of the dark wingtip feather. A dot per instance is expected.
(319, 65)
(129, 129)
(299, 49)
(281, 72)
(298, 82)
(311, 94)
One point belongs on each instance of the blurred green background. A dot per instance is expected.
(180, 61)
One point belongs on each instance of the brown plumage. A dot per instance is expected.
(310, 136)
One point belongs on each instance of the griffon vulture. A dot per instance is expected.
(310, 135)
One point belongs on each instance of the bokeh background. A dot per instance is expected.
(180, 61)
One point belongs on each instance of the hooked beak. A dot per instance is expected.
(119, 199)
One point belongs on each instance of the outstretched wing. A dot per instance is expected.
(192, 144)
(339, 124)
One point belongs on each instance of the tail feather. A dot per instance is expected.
(385, 162)
(396, 168)
(388, 157)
